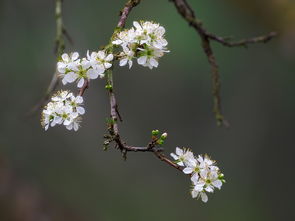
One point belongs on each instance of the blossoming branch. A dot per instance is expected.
(145, 43)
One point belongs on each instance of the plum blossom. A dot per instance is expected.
(72, 69)
(63, 109)
(204, 174)
(145, 42)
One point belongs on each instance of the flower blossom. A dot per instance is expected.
(146, 42)
(205, 175)
(64, 108)
(72, 69)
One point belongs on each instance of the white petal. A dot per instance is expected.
(179, 151)
(109, 57)
(80, 110)
(64, 81)
(92, 74)
(204, 197)
(217, 184)
(130, 63)
(107, 65)
(195, 193)
(180, 163)
(71, 77)
(81, 83)
(195, 178)
(67, 122)
(117, 42)
(137, 25)
(65, 57)
(69, 127)
(79, 99)
(209, 189)
(154, 62)
(142, 60)
(188, 170)
(123, 62)
(75, 56)
(174, 156)
(101, 54)
(76, 126)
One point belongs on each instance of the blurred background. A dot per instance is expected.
(62, 175)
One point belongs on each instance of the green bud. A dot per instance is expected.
(155, 132)
(160, 142)
(164, 136)
(108, 87)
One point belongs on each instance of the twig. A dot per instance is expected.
(83, 88)
(58, 50)
(185, 10)
(113, 126)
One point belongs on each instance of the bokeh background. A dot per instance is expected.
(62, 175)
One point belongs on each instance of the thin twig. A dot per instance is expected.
(58, 50)
(185, 10)
(84, 87)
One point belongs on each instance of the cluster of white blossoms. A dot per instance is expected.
(64, 108)
(205, 175)
(145, 42)
(72, 69)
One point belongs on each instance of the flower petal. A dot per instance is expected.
(204, 197)
(123, 62)
(187, 170)
(81, 83)
(142, 60)
(80, 110)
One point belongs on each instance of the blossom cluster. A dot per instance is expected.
(64, 108)
(205, 175)
(146, 42)
(72, 69)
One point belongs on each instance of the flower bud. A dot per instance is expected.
(164, 136)
(155, 132)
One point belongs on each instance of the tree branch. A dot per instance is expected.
(59, 47)
(185, 10)
(113, 127)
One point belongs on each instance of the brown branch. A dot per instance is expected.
(243, 42)
(83, 88)
(185, 10)
(113, 127)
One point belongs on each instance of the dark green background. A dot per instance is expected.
(71, 171)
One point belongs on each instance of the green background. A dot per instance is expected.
(65, 175)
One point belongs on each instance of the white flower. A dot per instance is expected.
(146, 43)
(203, 195)
(72, 69)
(182, 156)
(68, 66)
(126, 57)
(204, 174)
(125, 37)
(104, 60)
(192, 166)
(65, 109)
(148, 57)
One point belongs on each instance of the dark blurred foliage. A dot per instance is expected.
(62, 175)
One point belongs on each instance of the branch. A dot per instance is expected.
(59, 47)
(113, 127)
(185, 10)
